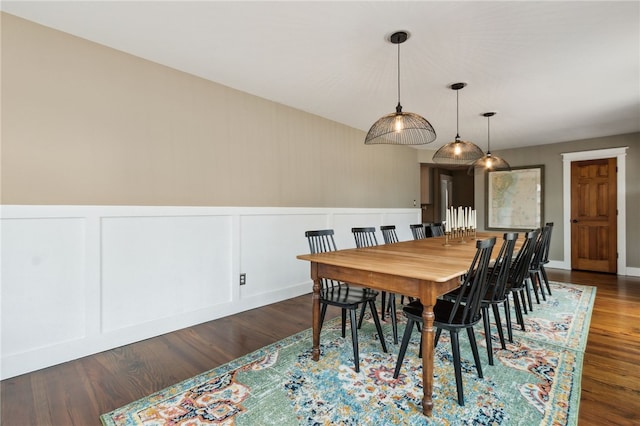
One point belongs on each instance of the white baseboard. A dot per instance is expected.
(630, 272)
(633, 272)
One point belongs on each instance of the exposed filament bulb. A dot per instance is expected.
(399, 123)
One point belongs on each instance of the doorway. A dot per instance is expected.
(567, 158)
(446, 195)
(594, 215)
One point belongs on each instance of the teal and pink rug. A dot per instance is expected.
(536, 381)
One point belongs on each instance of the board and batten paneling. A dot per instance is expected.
(77, 280)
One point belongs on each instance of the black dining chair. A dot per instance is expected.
(496, 293)
(536, 278)
(517, 281)
(389, 234)
(434, 230)
(545, 257)
(418, 232)
(345, 296)
(462, 313)
(390, 237)
(366, 237)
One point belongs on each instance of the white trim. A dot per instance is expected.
(65, 267)
(567, 159)
(557, 264)
(633, 272)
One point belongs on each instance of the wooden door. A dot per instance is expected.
(594, 215)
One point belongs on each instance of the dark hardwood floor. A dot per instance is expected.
(77, 392)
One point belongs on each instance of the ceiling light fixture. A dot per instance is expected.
(457, 152)
(400, 128)
(490, 162)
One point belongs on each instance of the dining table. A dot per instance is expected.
(424, 269)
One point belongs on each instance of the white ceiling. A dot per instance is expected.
(554, 71)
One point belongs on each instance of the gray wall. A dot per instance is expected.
(550, 157)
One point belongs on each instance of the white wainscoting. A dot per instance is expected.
(77, 280)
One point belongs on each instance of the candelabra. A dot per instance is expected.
(460, 223)
(459, 234)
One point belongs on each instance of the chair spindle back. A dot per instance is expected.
(365, 237)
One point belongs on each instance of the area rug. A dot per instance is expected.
(535, 381)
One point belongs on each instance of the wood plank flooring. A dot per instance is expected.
(77, 392)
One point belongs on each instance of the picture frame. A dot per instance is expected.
(514, 199)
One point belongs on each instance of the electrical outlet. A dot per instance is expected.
(243, 278)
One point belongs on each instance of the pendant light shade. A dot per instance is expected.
(400, 128)
(489, 161)
(457, 152)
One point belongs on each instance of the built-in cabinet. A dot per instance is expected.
(460, 190)
(426, 190)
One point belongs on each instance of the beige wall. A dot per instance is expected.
(85, 124)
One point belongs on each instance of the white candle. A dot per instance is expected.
(455, 215)
(453, 219)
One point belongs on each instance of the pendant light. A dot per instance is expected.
(400, 128)
(457, 152)
(490, 162)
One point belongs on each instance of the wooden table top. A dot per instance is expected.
(426, 259)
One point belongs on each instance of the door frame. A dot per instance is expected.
(620, 155)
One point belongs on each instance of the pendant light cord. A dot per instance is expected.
(457, 115)
(488, 134)
(398, 74)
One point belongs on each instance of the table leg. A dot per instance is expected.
(427, 359)
(315, 312)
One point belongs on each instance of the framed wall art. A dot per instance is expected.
(515, 198)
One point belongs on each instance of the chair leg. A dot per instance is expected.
(539, 279)
(496, 316)
(527, 289)
(437, 337)
(487, 333)
(518, 308)
(534, 285)
(455, 349)
(403, 346)
(354, 340)
(507, 318)
(546, 279)
(344, 321)
(523, 306)
(383, 298)
(364, 306)
(394, 320)
(376, 320)
(474, 349)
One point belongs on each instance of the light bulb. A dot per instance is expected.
(456, 148)
(488, 164)
(399, 125)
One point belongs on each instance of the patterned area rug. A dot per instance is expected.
(535, 381)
